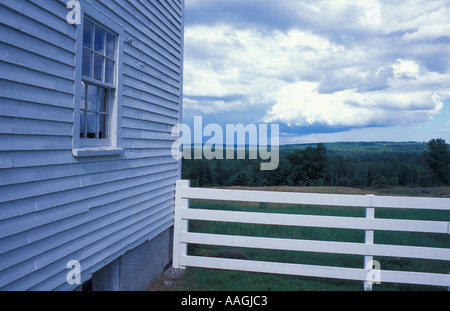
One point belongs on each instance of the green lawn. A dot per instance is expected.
(208, 279)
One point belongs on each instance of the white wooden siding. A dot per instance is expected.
(55, 207)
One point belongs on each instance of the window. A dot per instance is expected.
(98, 81)
(98, 89)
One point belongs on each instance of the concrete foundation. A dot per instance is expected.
(137, 269)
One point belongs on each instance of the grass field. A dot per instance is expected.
(207, 279)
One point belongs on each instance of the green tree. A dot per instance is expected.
(382, 181)
(344, 181)
(308, 164)
(241, 178)
(393, 181)
(358, 181)
(437, 158)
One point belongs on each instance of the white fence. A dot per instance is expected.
(368, 273)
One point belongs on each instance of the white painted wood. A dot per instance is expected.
(143, 14)
(51, 274)
(317, 199)
(180, 102)
(29, 159)
(95, 152)
(318, 221)
(21, 126)
(47, 215)
(275, 267)
(146, 144)
(149, 116)
(318, 246)
(367, 249)
(149, 106)
(28, 60)
(29, 93)
(40, 173)
(315, 271)
(180, 224)
(152, 135)
(165, 50)
(151, 89)
(34, 142)
(34, 111)
(153, 63)
(135, 68)
(47, 16)
(277, 197)
(411, 203)
(35, 78)
(57, 185)
(368, 240)
(142, 124)
(95, 206)
(408, 277)
(45, 49)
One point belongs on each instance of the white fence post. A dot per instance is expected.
(181, 225)
(369, 239)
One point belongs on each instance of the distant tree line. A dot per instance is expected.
(317, 166)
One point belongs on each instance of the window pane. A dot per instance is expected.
(87, 34)
(102, 100)
(91, 125)
(110, 45)
(83, 96)
(92, 98)
(82, 124)
(87, 63)
(103, 126)
(98, 67)
(99, 43)
(109, 71)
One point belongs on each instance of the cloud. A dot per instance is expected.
(423, 20)
(338, 64)
(223, 61)
(236, 59)
(212, 106)
(301, 104)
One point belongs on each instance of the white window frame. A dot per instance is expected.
(112, 145)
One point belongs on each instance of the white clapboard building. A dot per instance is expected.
(89, 93)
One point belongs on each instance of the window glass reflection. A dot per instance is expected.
(98, 67)
(87, 34)
(99, 43)
(92, 99)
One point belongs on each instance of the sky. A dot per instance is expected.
(324, 70)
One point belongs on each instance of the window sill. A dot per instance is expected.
(97, 152)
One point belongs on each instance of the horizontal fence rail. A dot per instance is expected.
(182, 236)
